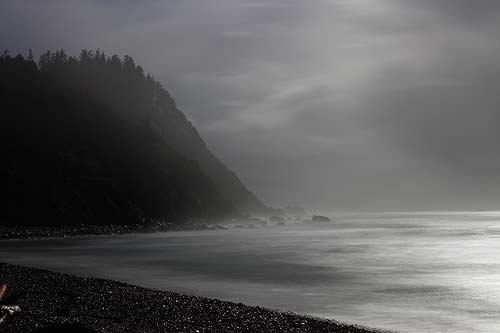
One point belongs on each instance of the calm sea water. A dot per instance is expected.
(420, 272)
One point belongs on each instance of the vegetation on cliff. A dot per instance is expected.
(81, 145)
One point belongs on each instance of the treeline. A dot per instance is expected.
(116, 82)
(110, 80)
(73, 151)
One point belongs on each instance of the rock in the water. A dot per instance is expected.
(219, 227)
(319, 218)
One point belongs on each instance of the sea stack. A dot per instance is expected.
(320, 218)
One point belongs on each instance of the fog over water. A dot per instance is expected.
(332, 104)
(413, 272)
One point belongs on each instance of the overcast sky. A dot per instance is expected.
(331, 104)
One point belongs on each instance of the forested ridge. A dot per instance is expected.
(87, 141)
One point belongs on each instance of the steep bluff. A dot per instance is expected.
(92, 140)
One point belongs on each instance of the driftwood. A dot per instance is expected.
(6, 311)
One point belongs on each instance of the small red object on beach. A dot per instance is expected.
(3, 289)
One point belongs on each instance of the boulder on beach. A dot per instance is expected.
(320, 218)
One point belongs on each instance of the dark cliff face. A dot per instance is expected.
(69, 157)
(122, 86)
(182, 136)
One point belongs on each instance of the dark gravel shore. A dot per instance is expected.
(33, 232)
(76, 304)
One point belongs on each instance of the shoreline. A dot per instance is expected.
(93, 230)
(50, 299)
(40, 232)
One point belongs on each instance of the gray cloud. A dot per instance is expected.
(334, 104)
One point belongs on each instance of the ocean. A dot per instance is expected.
(408, 272)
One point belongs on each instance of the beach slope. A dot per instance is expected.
(48, 300)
